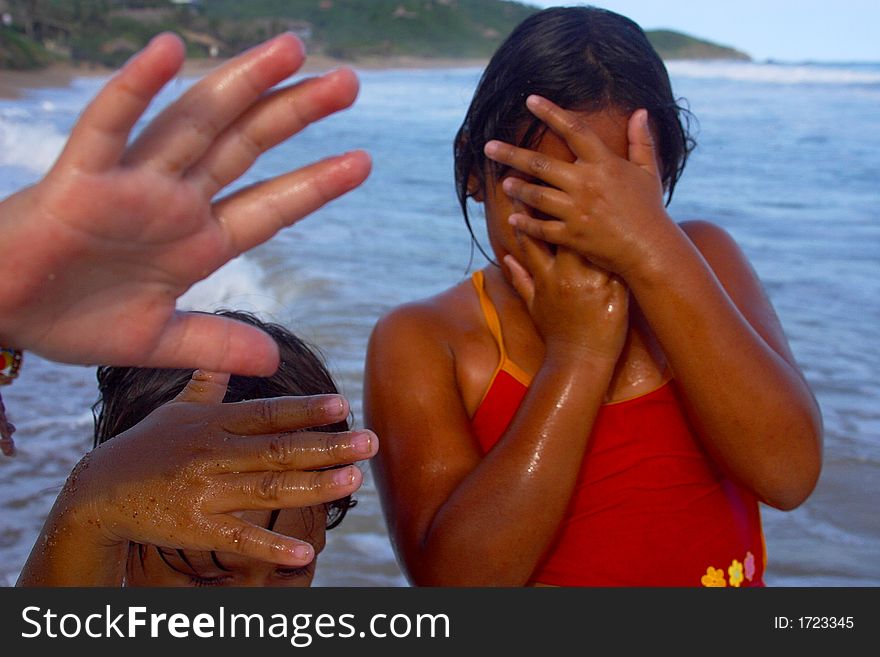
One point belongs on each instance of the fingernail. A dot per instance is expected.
(333, 406)
(287, 34)
(534, 101)
(335, 71)
(491, 148)
(303, 552)
(362, 443)
(344, 476)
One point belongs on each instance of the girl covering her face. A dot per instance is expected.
(609, 400)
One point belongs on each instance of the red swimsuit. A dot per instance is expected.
(649, 507)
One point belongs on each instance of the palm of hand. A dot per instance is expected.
(128, 242)
(115, 233)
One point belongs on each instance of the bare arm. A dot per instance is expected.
(745, 394)
(457, 517)
(176, 478)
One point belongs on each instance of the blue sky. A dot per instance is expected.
(786, 30)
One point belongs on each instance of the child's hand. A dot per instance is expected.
(176, 478)
(608, 207)
(577, 308)
(99, 250)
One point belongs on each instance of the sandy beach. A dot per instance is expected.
(14, 83)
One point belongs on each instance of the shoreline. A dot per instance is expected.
(14, 84)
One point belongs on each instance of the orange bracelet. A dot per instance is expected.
(10, 364)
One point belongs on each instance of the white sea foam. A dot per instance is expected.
(238, 285)
(29, 145)
(775, 73)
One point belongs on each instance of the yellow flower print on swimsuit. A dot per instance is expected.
(714, 577)
(737, 571)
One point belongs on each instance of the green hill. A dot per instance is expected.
(675, 45)
(19, 52)
(109, 31)
(353, 28)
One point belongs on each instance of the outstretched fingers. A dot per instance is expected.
(274, 490)
(550, 201)
(536, 165)
(270, 121)
(295, 451)
(551, 232)
(253, 215)
(218, 344)
(187, 128)
(283, 489)
(100, 137)
(237, 536)
(581, 139)
(257, 417)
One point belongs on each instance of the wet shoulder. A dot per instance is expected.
(711, 240)
(436, 319)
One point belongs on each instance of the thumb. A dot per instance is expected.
(204, 387)
(522, 281)
(218, 344)
(641, 142)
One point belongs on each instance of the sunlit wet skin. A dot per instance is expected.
(642, 366)
(156, 566)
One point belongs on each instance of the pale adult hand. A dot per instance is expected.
(177, 478)
(97, 253)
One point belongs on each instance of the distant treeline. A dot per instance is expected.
(33, 33)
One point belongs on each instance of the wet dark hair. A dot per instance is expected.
(128, 394)
(584, 59)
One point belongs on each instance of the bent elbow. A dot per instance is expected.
(791, 498)
(796, 480)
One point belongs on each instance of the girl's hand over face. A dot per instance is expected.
(607, 207)
(177, 478)
(578, 308)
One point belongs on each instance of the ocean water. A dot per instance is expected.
(788, 161)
